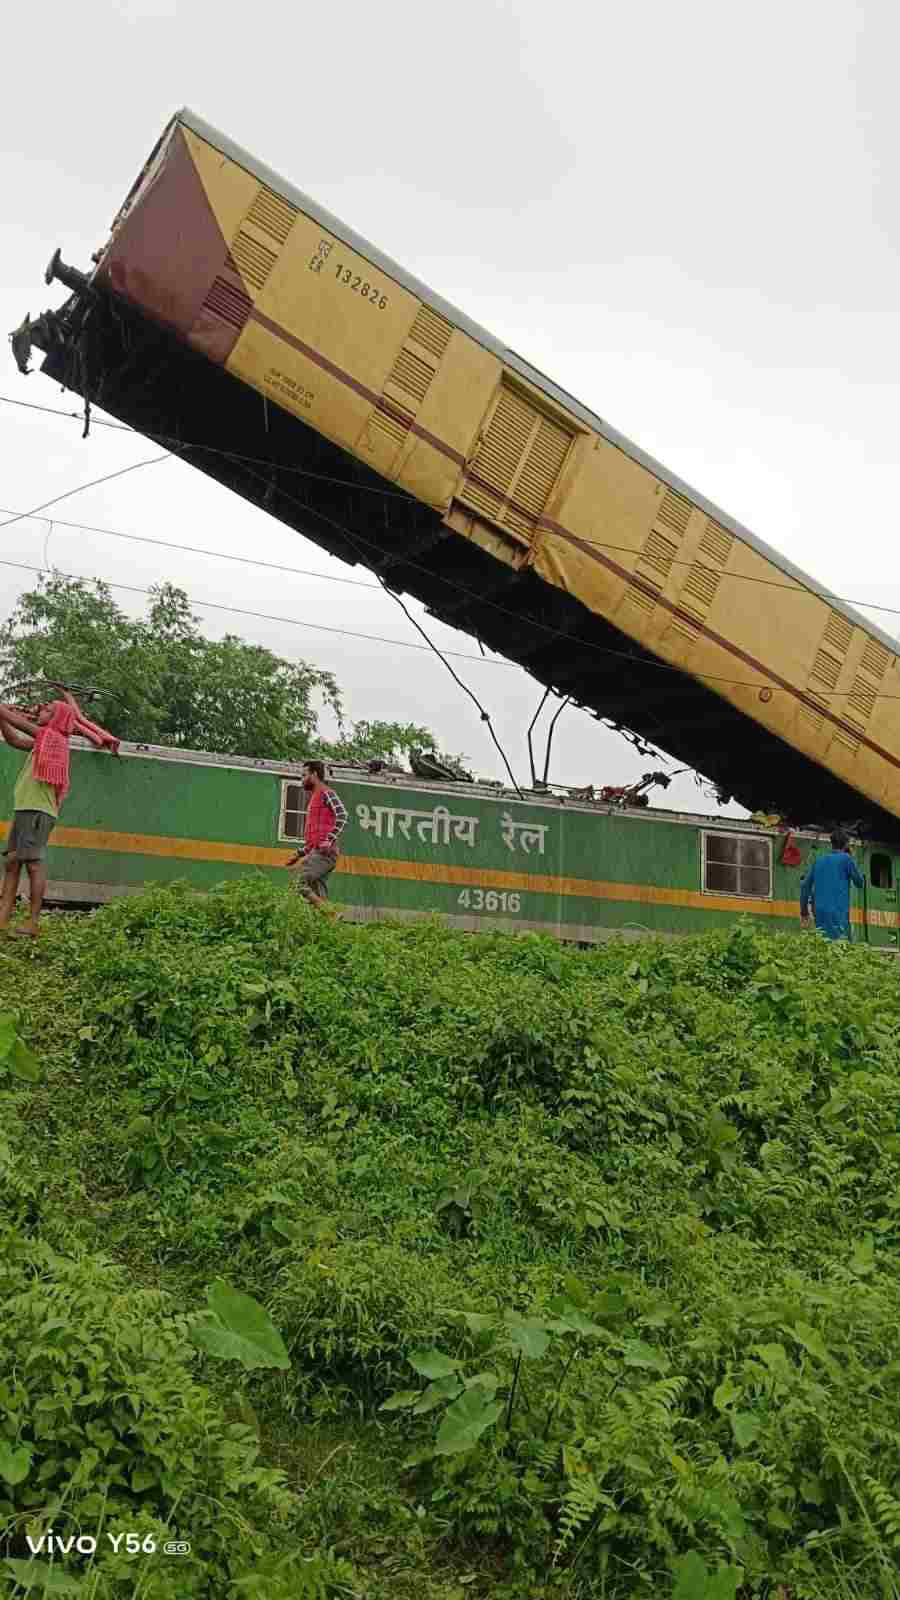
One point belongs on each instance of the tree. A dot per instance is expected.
(167, 684)
(388, 741)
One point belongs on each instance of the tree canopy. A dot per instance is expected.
(168, 684)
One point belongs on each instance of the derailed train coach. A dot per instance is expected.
(230, 316)
(473, 854)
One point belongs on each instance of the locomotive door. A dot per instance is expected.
(880, 898)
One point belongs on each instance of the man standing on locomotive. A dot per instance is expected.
(326, 818)
(40, 789)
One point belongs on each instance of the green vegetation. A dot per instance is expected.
(175, 687)
(584, 1265)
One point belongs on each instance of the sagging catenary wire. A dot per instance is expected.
(400, 494)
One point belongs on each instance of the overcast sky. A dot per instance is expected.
(686, 214)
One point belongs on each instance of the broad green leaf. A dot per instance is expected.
(248, 1415)
(400, 1399)
(723, 1584)
(730, 1515)
(637, 1353)
(238, 1328)
(23, 1063)
(811, 1340)
(775, 1358)
(44, 1579)
(288, 1228)
(139, 1128)
(862, 1261)
(143, 1478)
(610, 1305)
(432, 1363)
(576, 1292)
(745, 1427)
(465, 1421)
(527, 1335)
(726, 1394)
(721, 1131)
(695, 1582)
(15, 1461)
(480, 1321)
(691, 1578)
(567, 1318)
(655, 1316)
(483, 1380)
(436, 1393)
(475, 1178)
(7, 1033)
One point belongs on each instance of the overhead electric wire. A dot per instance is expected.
(485, 715)
(605, 650)
(80, 487)
(175, 444)
(399, 494)
(198, 550)
(530, 729)
(180, 445)
(252, 561)
(265, 616)
(329, 577)
(222, 555)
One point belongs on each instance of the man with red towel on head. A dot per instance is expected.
(41, 788)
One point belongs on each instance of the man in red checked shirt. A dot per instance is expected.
(326, 817)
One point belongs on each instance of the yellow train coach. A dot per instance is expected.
(293, 361)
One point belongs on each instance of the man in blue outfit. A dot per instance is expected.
(827, 885)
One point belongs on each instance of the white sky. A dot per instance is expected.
(685, 214)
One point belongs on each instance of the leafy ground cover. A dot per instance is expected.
(585, 1263)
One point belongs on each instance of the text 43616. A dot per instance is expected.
(489, 900)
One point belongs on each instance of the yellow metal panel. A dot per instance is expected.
(455, 404)
(516, 463)
(229, 189)
(392, 384)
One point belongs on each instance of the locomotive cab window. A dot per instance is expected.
(736, 863)
(293, 811)
(882, 872)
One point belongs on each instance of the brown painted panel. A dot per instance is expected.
(168, 257)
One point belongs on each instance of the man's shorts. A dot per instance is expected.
(29, 835)
(313, 871)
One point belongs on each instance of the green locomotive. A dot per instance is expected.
(477, 855)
